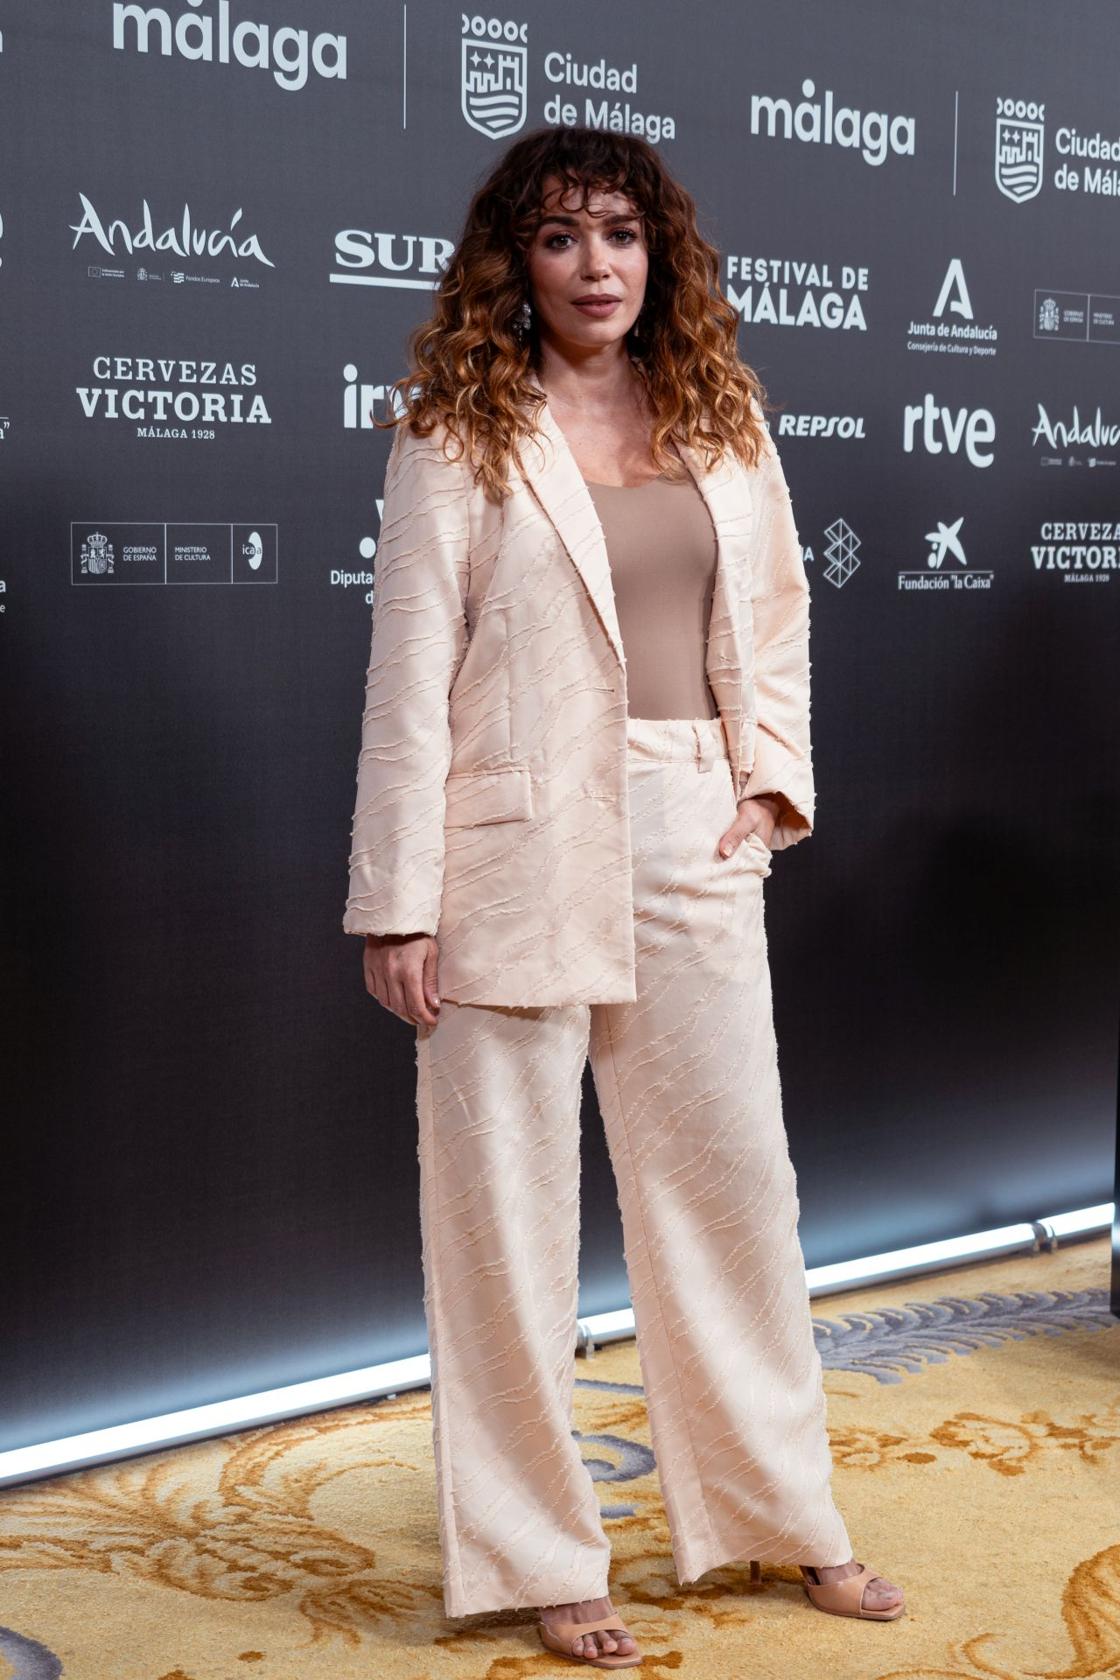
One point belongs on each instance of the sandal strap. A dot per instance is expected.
(573, 1630)
(842, 1595)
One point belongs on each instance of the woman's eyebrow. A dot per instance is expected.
(573, 221)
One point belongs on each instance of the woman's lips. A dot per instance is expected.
(605, 307)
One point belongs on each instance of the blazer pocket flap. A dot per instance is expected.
(488, 796)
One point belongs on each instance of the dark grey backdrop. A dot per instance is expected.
(210, 1138)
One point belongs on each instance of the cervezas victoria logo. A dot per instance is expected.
(173, 397)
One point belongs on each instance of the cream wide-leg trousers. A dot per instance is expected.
(688, 1086)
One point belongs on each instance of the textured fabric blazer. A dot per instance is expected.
(492, 805)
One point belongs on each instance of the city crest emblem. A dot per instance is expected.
(494, 81)
(1019, 142)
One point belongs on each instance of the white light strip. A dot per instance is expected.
(1086, 1219)
(924, 1257)
(375, 1382)
(122, 1440)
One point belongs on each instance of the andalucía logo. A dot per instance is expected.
(186, 238)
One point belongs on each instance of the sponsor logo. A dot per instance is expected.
(938, 430)
(1077, 550)
(173, 398)
(617, 116)
(874, 134)
(1065, 435)
(1020, 142)
(402, 261)
(135, 551)
(841, 551)
(95, 555)
(818, 425)
(343, 578)
(788, 292)
(1086, 317)
(288, 53)
(361, 400)
(1020, 155)
(961, 336)
(186, 238)
(494, 91)
(946, 569)
(494, 75)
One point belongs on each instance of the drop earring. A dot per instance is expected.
(523, 320)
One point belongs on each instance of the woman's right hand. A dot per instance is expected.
(401, 973)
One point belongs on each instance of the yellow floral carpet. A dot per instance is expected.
(975, 1425)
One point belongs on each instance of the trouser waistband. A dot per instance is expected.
(701, 740)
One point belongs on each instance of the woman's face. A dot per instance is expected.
(598, 251)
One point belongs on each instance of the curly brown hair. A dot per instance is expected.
(474, 369)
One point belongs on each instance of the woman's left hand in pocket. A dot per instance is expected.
(757, 815)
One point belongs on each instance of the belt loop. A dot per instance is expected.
(701, 761)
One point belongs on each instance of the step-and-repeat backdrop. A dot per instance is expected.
(220, 221)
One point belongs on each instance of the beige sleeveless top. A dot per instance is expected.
(662, 549)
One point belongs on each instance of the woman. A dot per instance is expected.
(585, 735)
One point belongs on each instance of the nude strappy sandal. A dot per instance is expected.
(559, 1639)
(845, 1598)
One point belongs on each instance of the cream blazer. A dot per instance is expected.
(491, 806)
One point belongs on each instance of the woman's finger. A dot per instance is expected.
(431, 974)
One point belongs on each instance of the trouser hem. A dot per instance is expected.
(740, 1556)
(491, 1602)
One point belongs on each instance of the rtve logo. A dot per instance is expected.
(927, 426)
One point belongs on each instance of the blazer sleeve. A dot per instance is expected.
(780, 602)
(419, 637)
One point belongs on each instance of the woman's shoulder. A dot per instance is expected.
(754, 441)
(435, 451)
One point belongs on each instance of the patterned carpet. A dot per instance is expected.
(975, 1425)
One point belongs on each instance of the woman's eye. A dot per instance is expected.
(629, 236)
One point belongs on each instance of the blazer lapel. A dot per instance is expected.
(562, 492)
(550, 467)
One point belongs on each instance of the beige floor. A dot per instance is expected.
(977, 1463)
